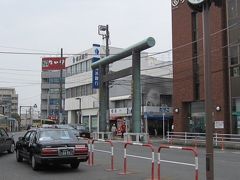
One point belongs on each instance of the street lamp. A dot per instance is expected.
(79, 112)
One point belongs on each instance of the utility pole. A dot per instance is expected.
(104, 92)
(204, 6)
(106, 72)
(60, 95)
(208, 97)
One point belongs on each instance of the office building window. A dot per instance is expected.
(234, 55)
(235, 71)
(73, 92)
(68, 71)
(89, 62)
(68, 93)
(232, 8)
(78, 91)
(53, 101)
(84, 66)
(54, 91)
(83, 90)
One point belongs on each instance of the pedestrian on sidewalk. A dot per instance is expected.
(123, 129)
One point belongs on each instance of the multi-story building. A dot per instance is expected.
(8, 101)
(188, 67)
(51, 88)
(82, 100)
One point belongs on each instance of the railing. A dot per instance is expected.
(103, 151)
(200, 138)
(181, 163)
(139, 157)
(102, 135)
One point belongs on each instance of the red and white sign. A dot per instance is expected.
(52, 117)
(53, 63)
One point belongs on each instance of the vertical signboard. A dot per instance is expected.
(95, 73)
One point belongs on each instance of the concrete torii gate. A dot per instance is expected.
(135, 51)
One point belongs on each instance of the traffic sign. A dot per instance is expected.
(164, 109)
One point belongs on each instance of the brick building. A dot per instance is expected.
(188, 67)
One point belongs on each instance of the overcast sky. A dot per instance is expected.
(48, 25)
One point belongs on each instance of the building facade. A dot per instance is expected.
(156, 106)
(82, 101)
(8, 101)
(50, 89)
(188, 67)
(233, 17)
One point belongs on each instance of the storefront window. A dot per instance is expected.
(85, 121)
(236, 115)
(197, 118)
(94, 123)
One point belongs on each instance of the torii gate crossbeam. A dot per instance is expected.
(135, 70)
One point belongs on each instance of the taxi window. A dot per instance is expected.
(27, 136)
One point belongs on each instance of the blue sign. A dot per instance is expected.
(95, 72)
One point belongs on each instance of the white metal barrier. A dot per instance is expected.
(186, 164)
(198, 138)
(103, 151)
(136, 137)
(140, 157)
(102, 135)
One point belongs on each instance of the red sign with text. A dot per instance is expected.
(53, 63)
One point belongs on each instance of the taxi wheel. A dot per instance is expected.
(74, 165)
(35, 165)
(18, 156)
(12, 147)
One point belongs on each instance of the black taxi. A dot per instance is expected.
(51, 146)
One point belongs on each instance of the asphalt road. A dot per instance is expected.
(226, 163)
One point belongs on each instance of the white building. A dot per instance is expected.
(81, 100)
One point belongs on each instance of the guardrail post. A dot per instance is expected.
(168, 136)
(216, 137)
(222, 144)
(92, 154)
(185, 138)
(89, 152)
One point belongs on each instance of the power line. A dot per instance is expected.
(152, 54)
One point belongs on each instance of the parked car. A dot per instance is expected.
(6, 142)
(51, 146)
(83, 131)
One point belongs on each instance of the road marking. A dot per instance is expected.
(220, 152)
(236, 152)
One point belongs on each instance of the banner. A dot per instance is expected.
(53, 63)
(95, 74)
